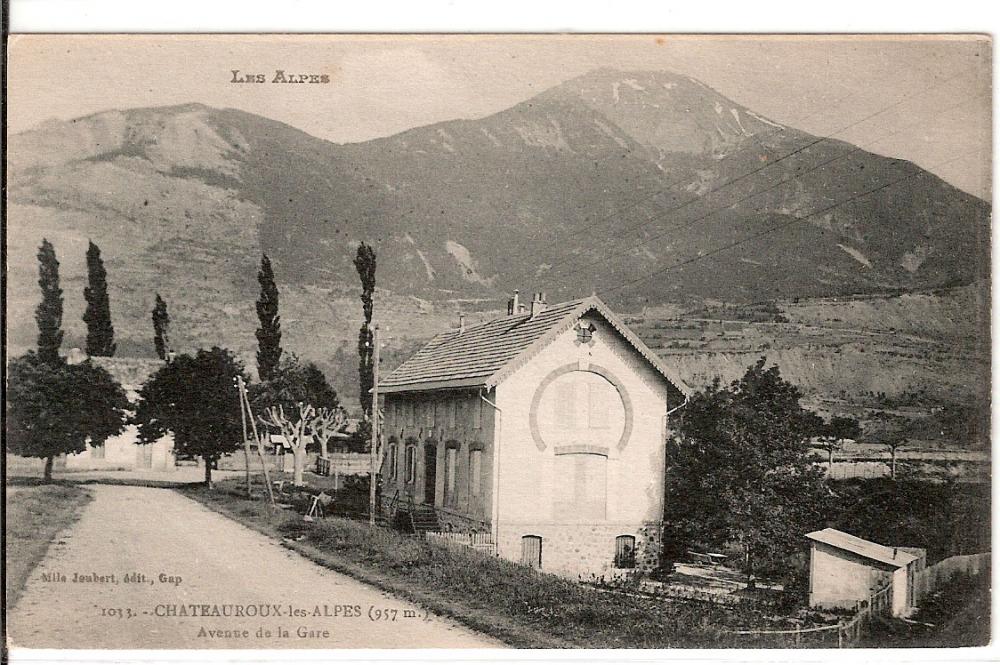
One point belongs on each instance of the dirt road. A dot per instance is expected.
(155, 569)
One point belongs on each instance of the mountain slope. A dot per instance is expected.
(605, 179)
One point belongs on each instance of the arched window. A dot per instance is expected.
(531, 551)
(625, 552)
(393, 453)
(410, 461)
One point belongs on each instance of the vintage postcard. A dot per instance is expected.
(497, 341)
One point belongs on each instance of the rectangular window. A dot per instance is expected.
(475, 470)
(597, 411)
(581, 487)
(411, 463)
(566, 406)
(393, 459)
(450, 467)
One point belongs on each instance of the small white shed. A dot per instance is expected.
(845, 569)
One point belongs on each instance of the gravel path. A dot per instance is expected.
(210, 565)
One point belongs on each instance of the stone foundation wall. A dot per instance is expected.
(584, 551)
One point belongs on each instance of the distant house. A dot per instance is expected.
(543, 431)
(845, 569)
(122, 451)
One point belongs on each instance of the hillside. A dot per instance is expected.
(601, 180)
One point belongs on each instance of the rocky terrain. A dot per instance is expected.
(605, 179)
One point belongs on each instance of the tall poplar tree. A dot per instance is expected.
(269, 333)
(161, 328)
(364, 262)
(97, 316)
(49, 312)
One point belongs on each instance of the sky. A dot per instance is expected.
(925, 99)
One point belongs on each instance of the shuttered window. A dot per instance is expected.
(411, 463)
(393, 461)
(581, 487)
(475, 471)
(450, 469)
(565, 406)
(597, 405)
(625, 552)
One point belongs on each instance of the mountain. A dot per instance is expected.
(606, 179)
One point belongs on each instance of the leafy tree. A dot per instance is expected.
(269, 333)
(195, 399)
(365, 262)
(97, 316)
(831, 434)
(297, 403)
(49, 312)
(892, 439)
(738, 471)
(55, 408)
(161, 328)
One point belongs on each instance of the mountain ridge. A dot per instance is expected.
(647, 167)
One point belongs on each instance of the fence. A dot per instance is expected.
(934, 577)
(847, 633)
(481, 542)
(344, 464)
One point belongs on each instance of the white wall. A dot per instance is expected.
(840, 579)
(121, 452)
(529, 484)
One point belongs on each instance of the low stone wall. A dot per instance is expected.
(584, 551)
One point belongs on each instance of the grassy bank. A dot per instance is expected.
(36, 513)
(512, 603)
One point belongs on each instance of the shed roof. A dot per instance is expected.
(893, 556)
(483, 355)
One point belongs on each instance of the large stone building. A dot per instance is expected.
(543, 431)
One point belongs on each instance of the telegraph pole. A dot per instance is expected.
(246, 437)
(256, 436)
(375, 449)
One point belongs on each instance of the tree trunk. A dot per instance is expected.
(208, 472)
(299, 459)
(322, 447)
(48, 468)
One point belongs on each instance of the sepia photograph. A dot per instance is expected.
(497, 341)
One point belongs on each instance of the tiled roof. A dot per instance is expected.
(484, 354)
(894, 556)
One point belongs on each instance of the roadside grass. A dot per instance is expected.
(512, 603)
(36, 513)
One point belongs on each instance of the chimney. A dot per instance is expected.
(461, 323)
(537, 304)
(514, 305)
